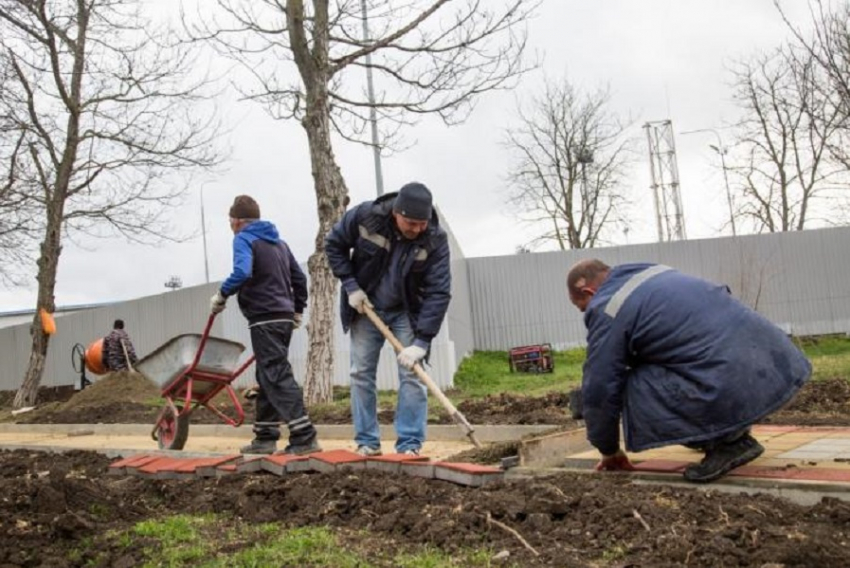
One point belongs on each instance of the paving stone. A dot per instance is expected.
(301, 465)
(332, 460)
(132, 468)
(793, 473)
(209, 469)
(661, 466)
(226, 469)
(278, 464)
(770, 429)
(190, 465)
(161, 468)
(250, 465)
(391, 463)
(418, 469)
(119, 467)
(469, 474)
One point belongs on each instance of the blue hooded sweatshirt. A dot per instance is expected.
(270, 284)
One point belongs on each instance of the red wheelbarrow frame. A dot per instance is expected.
(171, 428)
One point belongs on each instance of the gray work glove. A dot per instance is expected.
(409, 356)
(296, 320)
(218, 303)
(356, 300)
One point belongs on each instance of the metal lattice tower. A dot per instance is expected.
(664, 170)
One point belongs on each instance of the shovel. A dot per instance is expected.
(459, 418)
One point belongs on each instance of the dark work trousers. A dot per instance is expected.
(280, 398)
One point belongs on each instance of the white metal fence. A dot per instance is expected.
(800, 281)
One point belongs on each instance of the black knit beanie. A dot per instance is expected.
(413, 201)
(244, 207)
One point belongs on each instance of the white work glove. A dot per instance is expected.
(296, 320)
(356, 300)
(218, 303)
(409, 356)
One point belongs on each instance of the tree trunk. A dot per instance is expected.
(47, 265)
(331, 195)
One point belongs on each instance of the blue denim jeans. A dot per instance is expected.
(411, 416)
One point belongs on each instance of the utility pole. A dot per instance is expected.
(373, 114)
(721, 151)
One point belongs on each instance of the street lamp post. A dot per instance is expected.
(721, 151)
(373, 114)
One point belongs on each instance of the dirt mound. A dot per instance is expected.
(819, 403)
(130, 398)
(63, 511)
(117, 398)
(552, 408)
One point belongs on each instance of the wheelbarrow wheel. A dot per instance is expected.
(172, 430)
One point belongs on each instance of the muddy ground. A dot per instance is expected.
(129, 398)
(59, 510)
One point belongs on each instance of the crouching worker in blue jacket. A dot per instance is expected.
(682, 361)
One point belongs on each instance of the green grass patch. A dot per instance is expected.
(830, 356)
(210, 541)
(487, 373)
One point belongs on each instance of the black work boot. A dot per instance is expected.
(723, 457)
(311, 446)
(259, 447)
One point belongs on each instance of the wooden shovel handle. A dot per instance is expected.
(421, 374)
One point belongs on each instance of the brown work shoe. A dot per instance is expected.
(722, 458)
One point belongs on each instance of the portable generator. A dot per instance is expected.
(531, 359)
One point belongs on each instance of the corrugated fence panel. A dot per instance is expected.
(459, 316)
(800, 281)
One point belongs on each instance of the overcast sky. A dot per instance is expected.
(661, 58)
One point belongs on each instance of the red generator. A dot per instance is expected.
(531, 359)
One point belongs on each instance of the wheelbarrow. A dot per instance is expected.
(192, 369)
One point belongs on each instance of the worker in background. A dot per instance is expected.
(118, 351)
(391, 254)
(272, 294)
(681, 361)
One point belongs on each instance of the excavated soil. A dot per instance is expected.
(130, 398)
(60, 510)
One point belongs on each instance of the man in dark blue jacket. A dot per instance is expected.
(272, 293)
(682, 361)
(391, 254)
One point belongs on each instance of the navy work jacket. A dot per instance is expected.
(680, 359)
(359, 251)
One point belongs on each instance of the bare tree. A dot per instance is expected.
(784, 167)
(17, 223)
(828, 46)
(571, 155)
(308, 61)
(102, 109)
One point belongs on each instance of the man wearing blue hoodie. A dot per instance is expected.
(272, 294)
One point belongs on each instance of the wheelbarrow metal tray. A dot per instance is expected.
(162, 366)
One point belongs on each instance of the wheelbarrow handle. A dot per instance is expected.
(459, 418)
(204, 336)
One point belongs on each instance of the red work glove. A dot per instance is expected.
(615, 462)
